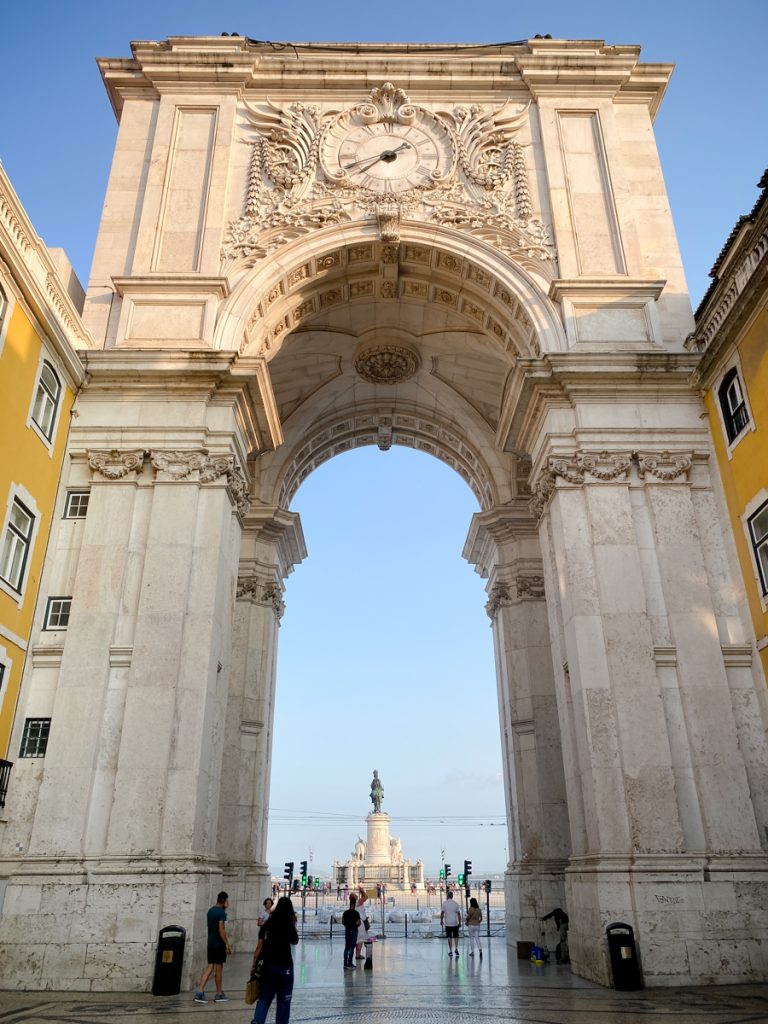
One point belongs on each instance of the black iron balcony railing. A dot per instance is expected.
(5, 774)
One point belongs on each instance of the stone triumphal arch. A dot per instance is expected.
(465, 250)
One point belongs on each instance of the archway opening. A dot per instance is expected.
(386, 661)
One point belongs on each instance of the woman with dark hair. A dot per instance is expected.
(276, 936)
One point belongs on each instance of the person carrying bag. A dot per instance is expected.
(272, 967)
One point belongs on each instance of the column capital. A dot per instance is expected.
(577, 468)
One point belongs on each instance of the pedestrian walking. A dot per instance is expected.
(450, 916)
(474, 920)
(273, 950)
(218, 950)
(351, 920)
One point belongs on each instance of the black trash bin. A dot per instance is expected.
(623, 953)
(169, 961)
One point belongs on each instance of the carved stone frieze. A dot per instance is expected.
(585, 467)
(499, 596)
(115, 464)
(257, 590)
(177, 465)
(663, 465)
(298, 179)
(238, 486)
(215, 467)
(530, 585)
(272, 594)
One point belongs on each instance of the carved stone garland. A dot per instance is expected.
(292, 189)
(606, 466)
(176, 466)
(260, 591)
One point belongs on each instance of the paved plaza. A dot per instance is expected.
(414, 981)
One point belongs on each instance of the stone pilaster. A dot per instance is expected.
(664, 827)
(272, 544)
(504, 546)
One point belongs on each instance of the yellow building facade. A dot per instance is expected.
(40, 372)
(732, 335)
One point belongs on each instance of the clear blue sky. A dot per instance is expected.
(385, 652)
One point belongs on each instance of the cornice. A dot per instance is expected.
(35, 274)
(216, 378)
(733, 300)
(615, 287)
(179, 284)
(235, 64)
(565, 378)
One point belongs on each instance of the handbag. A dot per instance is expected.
(253, 988)
(251, 991)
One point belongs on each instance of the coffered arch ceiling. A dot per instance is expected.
(420, 370)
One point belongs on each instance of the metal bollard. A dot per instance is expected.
(368, 965)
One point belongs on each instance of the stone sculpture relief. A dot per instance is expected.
(387, 159)
(176, 465)
(581, 467)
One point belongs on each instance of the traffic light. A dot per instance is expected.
(288, 873)
(442, 874)
(487, 885)
(447, 871)
(467, 868)
(317, 882)
(460, 879)
(303, 874)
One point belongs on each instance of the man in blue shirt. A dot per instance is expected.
(218, 948)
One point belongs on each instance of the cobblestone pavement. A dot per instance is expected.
(412, 981)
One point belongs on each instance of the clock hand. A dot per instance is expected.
(387, 156)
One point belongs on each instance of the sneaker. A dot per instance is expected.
(457, 952)
(220, 998)
(481, 953)
(471, 953)
(199, 998)
(450, 952)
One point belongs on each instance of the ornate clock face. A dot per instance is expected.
(385, 157)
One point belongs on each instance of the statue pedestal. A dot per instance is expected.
(377, 849)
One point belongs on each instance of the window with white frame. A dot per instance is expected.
(57, 612)
(758, 533)
(16, 545)
(47, 398)
(76, 506)
(34, 742)
(733, 405)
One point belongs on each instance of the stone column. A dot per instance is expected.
(272, 544)
(664, 826)
(504, 546)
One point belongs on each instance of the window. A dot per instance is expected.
(46, 400)
(758, 532)
(732, 404)
(2, 674)
(35, 739)
(3, 306)
(77, 504)
(57, 613)
(17, 543)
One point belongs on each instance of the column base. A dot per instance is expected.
(248, 886)
(531, 890)
(92, 926)
(697, 921)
